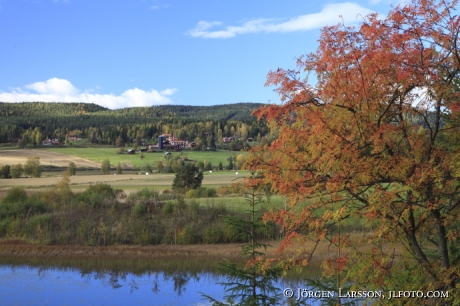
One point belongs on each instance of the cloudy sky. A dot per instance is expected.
(120, 53)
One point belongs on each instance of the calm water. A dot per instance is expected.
(45, 284)
(22, 285)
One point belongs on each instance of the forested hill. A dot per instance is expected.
(237, 111)
(24, 112)
(35, 121)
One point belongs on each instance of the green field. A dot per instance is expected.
(134, 160)
(240, 203)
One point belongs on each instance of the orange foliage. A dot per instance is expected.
(366, 142)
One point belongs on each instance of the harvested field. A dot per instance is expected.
(127, 182)
(47, 158)
(129, 179)
(114, 180)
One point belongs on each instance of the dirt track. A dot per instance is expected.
(13, 157)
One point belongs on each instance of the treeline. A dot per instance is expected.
(31, 168)
(33, 122)
(97, 217)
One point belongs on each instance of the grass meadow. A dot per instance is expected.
(134, 160)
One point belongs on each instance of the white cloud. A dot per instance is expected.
(329, 15)
(54, 86)
(157, 7)
(61, 90)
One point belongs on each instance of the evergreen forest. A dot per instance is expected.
(29, 123)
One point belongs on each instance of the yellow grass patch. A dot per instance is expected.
(47, 158)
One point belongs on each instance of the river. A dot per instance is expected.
(48, 281)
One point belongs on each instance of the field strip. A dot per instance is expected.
(87, 179)
(124, 179)
(47, 158)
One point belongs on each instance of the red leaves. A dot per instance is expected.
(335, 265)
(367, 142)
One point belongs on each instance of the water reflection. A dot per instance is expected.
(37, 284)
(27, 285)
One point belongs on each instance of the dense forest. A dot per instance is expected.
(29, 123)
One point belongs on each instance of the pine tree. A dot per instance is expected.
(252, 284)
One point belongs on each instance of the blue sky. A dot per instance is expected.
(123, 53)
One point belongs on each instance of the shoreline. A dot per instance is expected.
(21, 248)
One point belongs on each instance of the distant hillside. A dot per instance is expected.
(237, 111)
(28, 112)
(49, 119)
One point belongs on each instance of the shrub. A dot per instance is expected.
(211, 192)
(201, 192)
(16, 171)
(97, 194)
(144, 195)
(4, 225)
(213, 234)
(138, 210)
(231, 234)
(146, 168)
(5, 171)
(38, 223)
(23, 208)
(71, 169)
(188, 235)
(32, 166)
(147, 194)
(105, 166)
(192, 193)
(14, 195)
(168, 208)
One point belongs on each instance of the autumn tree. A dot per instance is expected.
(6, 171)
(364, 144)
(32, 166)
(105, 166)
(71, 169)
(16, 171)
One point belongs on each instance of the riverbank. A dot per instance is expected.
(22, 248)
(138, 259)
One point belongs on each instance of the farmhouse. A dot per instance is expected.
(227, 139)
(73, 137)
(169, 142)
(50, 142)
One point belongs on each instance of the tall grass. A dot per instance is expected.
(98, 217)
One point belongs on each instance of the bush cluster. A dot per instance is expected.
(96, 217)
(202, 192)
